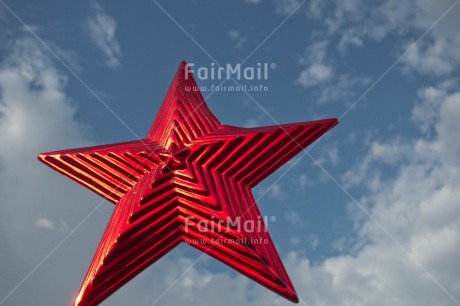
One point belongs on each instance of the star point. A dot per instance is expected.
(187, 181)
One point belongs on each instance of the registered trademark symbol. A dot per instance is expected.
(273, 218)
(272, 65)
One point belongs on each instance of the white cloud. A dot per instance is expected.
(313, 240)
(424, 114)
(315, 74)
(435, 56)
(321, 78)
(33, 104)
(51, 225)
(286, 7)
(238, 39)
(314, 9)
(344, 25)
(317, 70)
(252, 1)
(101, 29)
(37, 205)
(252, 122)
(304, 181)
(419, 207)
(329, 154)
(331, 87)
(294, 241)
(354, 22)
(294, 218)
(276, 191)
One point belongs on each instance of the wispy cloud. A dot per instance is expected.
(315, 74)
(347, 25)
(253, 1)
(294, 218)
(286, 7)
(237, 38)
(322, 78)
(318, 69)
(48, 224)
(353, 23)
(101, 29)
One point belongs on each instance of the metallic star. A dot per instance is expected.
(188, 181)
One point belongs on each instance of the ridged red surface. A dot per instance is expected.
(189, 166)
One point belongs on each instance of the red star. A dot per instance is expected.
(189, 181)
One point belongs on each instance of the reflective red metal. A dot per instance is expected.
(190, 174)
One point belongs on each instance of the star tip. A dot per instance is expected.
(291, 295)
(334, 120)
(293, 298)
(182, 64)
(183, 70)
(331, 122)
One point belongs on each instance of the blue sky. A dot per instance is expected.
(368, 216)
